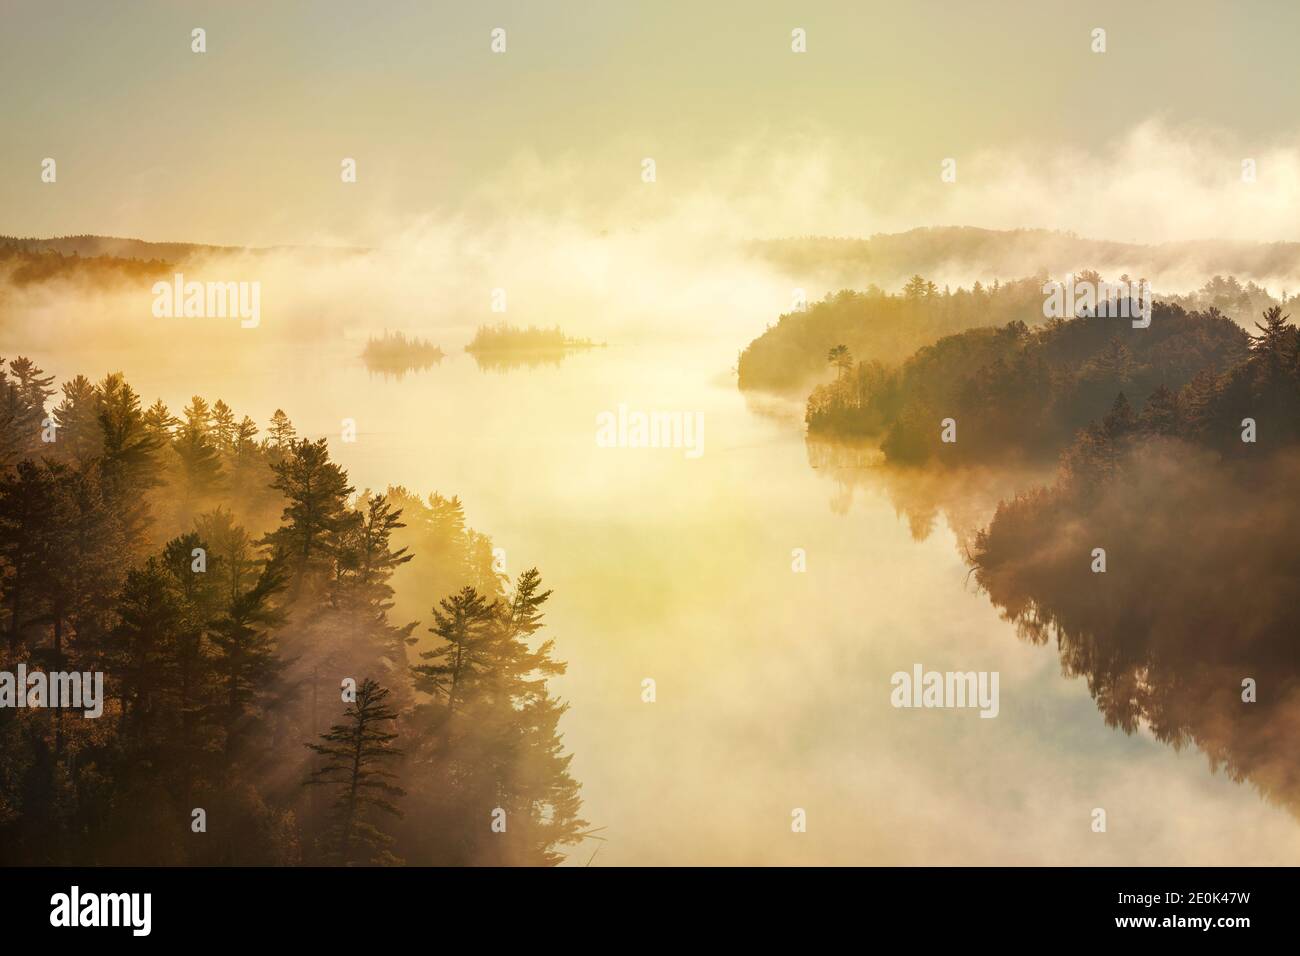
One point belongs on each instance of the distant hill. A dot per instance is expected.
(960, 254)
(883, 326)
(120, 248)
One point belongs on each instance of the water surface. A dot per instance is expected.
(772, 686)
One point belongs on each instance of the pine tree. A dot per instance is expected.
(448, 517)
(1275, 368)
(13, 439)
(144, 645)
(30, 523)
(1272, 335)
(201, 471)
(466, 623)
(22, 410)
(129, 461)
(915, 288)
(443, 542)
(77, 416)
(197, 588)
(373, 561)
(86, 569)
(354, 753)
(491, 738)
(281, 432)
(245, 437)
(247, 470)
(532, 783)
(33, 389)
(317, 491)
(198, 416)
(840, 357)
(366, 563)
(191, 676)
(231, 546)
(245, 659)
(160, 423)
(223, 426)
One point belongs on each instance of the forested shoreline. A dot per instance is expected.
(1161, 560)
(1018, 391)
(271, 696)
(1162, 563)
(887, 327)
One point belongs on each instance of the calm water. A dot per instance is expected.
(772, 686)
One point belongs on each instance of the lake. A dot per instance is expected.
(772, 686)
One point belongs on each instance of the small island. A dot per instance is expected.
(505, 346)
(395, 354)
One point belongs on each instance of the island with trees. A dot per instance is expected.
(394, 354)
(500, 347)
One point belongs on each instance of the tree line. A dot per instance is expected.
(270, 701)
(1017, 391)
(1162, 563)
(22, 265)
(888, 327)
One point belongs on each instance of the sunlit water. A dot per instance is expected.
(772, 686)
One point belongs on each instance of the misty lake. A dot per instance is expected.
(772, 685)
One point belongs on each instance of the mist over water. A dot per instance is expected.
(772, 686)
(806, 246)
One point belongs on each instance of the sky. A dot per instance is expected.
(242, 144)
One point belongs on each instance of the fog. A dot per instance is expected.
(585, 244)
(773, 686)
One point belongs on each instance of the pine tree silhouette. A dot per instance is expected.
(353, 752)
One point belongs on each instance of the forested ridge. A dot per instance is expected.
(890, 258)
(1162, 563)
(231, 584)
(886, 327)
(1014, 390)
(26, 262)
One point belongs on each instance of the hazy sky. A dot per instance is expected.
(242, 144)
